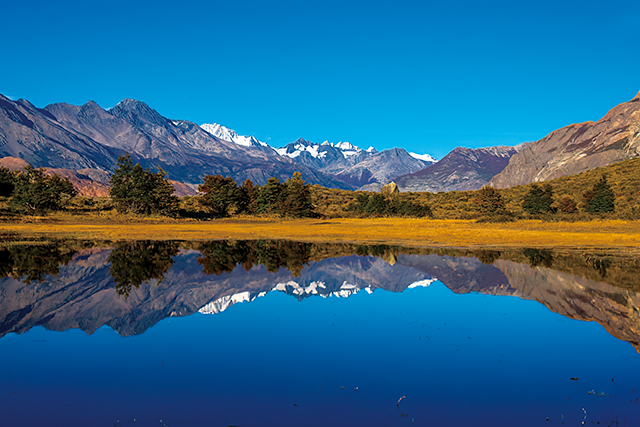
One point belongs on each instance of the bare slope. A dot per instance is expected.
(461, 170)
(577, 148)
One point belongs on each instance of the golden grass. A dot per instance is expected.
(614, 234)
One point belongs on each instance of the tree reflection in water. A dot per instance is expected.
(133, 263)
(223, 256)
(29, 263)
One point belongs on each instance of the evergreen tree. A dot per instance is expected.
(138, 190)
(268, 196)
(220, 194)
(601, 198)
(295, 199)
(376, 205)
(248, 203)
(7, 182)
(35, 191)
(538, 199)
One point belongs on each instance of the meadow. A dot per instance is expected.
(617, 235)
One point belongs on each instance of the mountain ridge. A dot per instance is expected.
(576, 148)
(461, 170)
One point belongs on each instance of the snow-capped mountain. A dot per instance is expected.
(423, 157)
(362, 169)
(226, 134)
(89, 138)
(320, 151)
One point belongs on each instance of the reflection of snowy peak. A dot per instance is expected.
(336, 277)
(318, 288)
(221, 304)
(293, 288)
(230, 135)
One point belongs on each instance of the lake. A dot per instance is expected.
(278, 333)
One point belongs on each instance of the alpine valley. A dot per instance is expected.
(84, 142)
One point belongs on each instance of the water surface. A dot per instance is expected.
(282, 333)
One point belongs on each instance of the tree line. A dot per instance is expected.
(540, 202)
(137, 190)
(134, 189)
(33, 191)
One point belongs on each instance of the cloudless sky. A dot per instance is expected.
(423, 75)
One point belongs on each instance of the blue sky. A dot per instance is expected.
(426, 76)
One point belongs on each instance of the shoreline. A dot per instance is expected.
(618, 235)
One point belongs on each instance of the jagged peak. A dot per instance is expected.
(129, 109)
(302, 141)
(636, 98)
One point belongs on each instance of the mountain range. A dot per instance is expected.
(88, 138)
(84, 142)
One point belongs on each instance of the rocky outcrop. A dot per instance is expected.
(389, 189)
(460, 170)
(577, 148)
(13, 163)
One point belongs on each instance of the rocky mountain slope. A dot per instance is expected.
(63, 136)
(460, 170)
(577, 148)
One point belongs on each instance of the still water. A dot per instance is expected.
(293, 334)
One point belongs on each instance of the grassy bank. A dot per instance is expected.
(615, 234)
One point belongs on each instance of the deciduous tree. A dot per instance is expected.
(488, 202)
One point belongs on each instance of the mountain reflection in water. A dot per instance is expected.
(131, 286)
(314, 348)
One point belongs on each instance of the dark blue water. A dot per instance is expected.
(425, 356)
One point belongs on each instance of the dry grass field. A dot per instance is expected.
(621, 236)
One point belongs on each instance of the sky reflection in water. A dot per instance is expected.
(460, 359)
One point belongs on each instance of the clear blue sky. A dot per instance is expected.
(426, 76)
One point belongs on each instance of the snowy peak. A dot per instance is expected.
(319, 151)
(295, 149)
(229, 135)
(424, 157)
